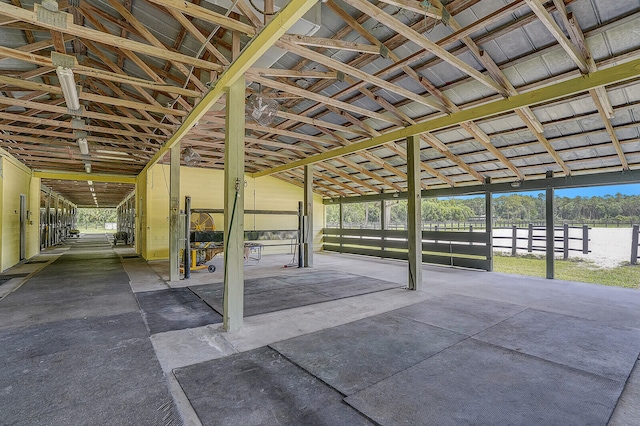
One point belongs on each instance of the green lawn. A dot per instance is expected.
(92, 229)
(570, 270)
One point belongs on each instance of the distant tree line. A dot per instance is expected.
(96, 217)
(515, 207)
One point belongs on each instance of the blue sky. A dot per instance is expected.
(594, 191)
(599, 191)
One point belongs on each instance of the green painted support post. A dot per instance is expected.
(187, 240)
(174, 213)
(488, 217)
(383, 223)
(233, 303)
(308, 213)
(341, 221)
(550, 227)
(414, 211)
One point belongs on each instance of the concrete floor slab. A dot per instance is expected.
(466, 315)
(575, 342)
(175, 309)
(180, 348)
(354, 356)
(474, 383)
(267, 390)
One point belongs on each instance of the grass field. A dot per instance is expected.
(93, 229)
(625, 275)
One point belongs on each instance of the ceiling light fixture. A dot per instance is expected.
(90, 182)
(68, 85)
(87, 167)
(84, 146)
(516, 184)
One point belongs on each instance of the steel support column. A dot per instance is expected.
(234, 207)
(414, 213)
(308, 213)
(174, 214)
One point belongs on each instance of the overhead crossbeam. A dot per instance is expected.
(251, 53)
(583, 83)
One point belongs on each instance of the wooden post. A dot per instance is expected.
(550, 249)
(234, 207)
(341, 221)
(565, 241)
(585, 239)
(634, 245)
(488, 216)
(530, 239)
(514, 239)
(174, 213)
(383, 223)
(414, 213)
(308, 213)
(187, 241)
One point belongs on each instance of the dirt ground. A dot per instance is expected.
(609, 246)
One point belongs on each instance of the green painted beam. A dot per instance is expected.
(279, 24)
(583, 83)
(573, 181)
(96, 177)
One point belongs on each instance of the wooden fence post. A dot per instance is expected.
(565, 242)
(585, 239)
(634, 245)
(514, 240)
(530, 239)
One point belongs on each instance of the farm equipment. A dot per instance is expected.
(203, 253)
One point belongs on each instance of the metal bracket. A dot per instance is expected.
(384, 51)
(340, 76)
(55, 18)
(62, 60)
(77, 123)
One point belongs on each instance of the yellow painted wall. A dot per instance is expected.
(206, 188)
(17, 180)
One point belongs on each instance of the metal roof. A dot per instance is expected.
(477, 52)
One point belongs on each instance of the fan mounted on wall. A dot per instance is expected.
(201, 222)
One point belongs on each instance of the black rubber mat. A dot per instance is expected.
(261, 387)
(36, 261)
(272, 294)
(175, 309)
(464, 314)
(475, 383)
(75, 348)
(359, 354)
(575, 342)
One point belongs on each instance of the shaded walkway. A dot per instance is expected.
(75, 347)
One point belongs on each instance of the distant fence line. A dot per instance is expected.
(497, 224)
(534, 233)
